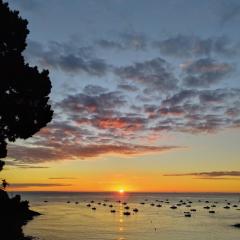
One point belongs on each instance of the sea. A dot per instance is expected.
(88, 216)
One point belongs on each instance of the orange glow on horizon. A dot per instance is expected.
(75, 176)
(162, 184)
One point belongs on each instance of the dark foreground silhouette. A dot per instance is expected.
(14, 214)
(24, 110)
(24, 90)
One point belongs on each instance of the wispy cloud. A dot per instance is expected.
(218, 178)
(28, 185)
(204, 175)
(61, 178)
(15, 163)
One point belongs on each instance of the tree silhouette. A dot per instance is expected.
(24, 90)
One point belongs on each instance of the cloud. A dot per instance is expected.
(230, 12)
(28, 185)
(174, 85)
(126, 41)
(104, 122)
(73, 63)
(146, 98)
(155, 74)
(180, 97)
(28, 166)
(206, 65)
(197, 111)
(71, 151)
(218, 178)
(94, 90)
(217, 96)
(185, 46)
(125, 124)
(109, 44)
(205, 72)
(67, 57)
(179, 46)
(177, 110)
(61, 178)
(106, 113)
(33, 155)
(98, 122)
(22, 165)
(101, 103)
(127, 87)
(133, 40)
(207, 174)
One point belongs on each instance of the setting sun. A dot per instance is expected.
(121, 191)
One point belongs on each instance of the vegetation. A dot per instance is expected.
(24, 90)
(24, 110)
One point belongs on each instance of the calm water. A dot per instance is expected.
(70, 221)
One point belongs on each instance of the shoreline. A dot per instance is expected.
(14, 215)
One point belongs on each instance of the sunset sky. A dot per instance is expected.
(146, 96)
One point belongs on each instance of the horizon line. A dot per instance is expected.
(126, 192)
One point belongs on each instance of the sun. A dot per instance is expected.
(121, 191)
